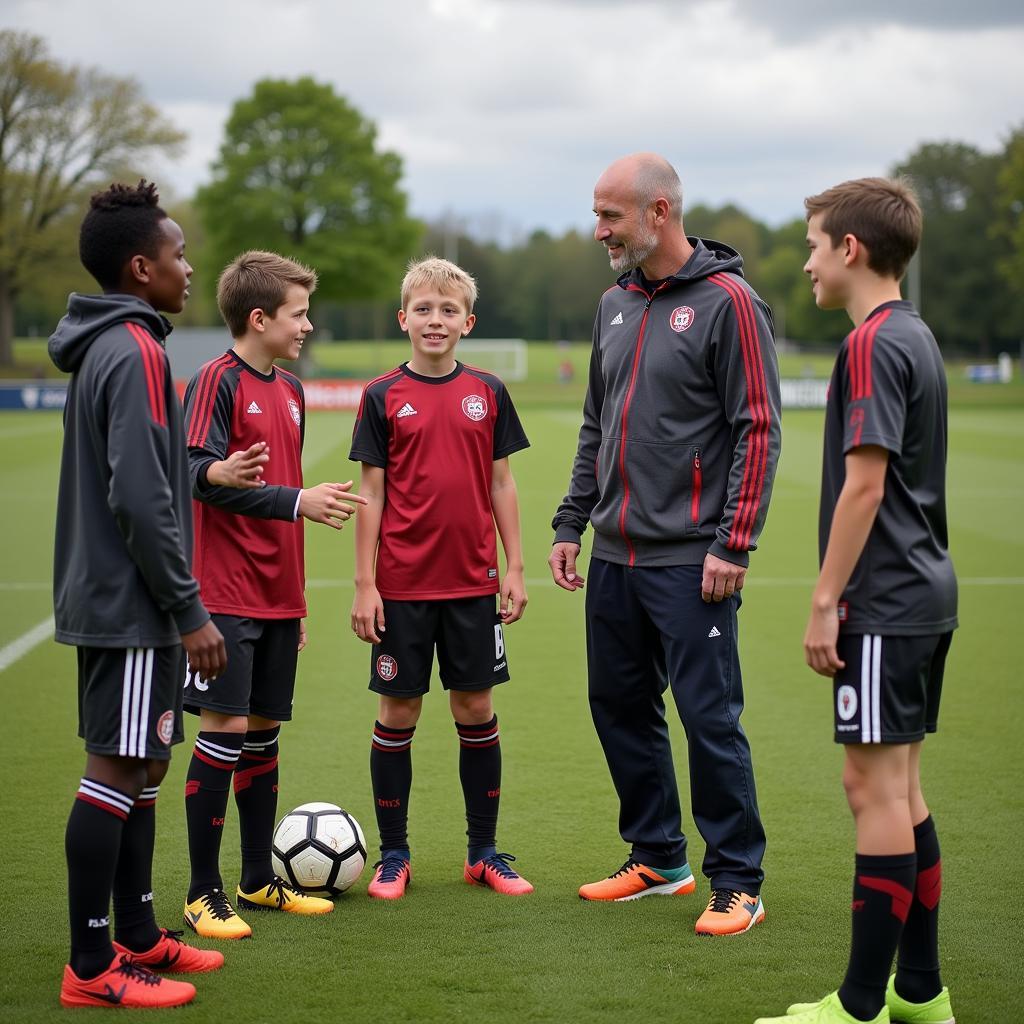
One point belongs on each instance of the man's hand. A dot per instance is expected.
(368, 614)
(324, 504)
(241, 469)
(207, 656)
(721, 579)
(302, 633)
(820, 639)
(563, 566)
(513, 597)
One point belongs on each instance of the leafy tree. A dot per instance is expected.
(1008, 228)
(299, 173)
(63, 130)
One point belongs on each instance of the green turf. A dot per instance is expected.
(452, 953)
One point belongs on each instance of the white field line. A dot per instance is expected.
(20, 647)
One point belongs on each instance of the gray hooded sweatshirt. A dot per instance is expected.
(123, 551)
(681, 431)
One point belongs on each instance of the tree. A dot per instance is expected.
(298, 172)
(1008, 228)
(63, 130)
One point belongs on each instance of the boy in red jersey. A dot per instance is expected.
(245, 423)
(434, 437)
(885, 604)
(124, 596)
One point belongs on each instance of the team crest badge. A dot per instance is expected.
(293, 408)
(846, 702)
(680, 319)
(387, 667)
(474, 407)
(165, 728)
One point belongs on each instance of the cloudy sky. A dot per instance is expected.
(505, 111)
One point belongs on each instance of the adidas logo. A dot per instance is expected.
(714, 632)
(617, 319)
(253, 408)
(406, 410)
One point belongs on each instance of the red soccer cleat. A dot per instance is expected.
(391, 879)
(172, 956)
(124, 983)
(494, 873)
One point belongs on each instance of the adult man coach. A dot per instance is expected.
(674, 470)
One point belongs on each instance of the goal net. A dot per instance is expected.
(504, 356)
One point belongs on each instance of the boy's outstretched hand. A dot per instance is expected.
(324, 504)
(241, 469)
(513, 597)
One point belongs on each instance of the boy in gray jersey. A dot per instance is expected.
(884, 607)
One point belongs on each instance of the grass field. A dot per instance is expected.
(451, 953)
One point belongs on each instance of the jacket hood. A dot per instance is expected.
(708, 257)
(88, 316)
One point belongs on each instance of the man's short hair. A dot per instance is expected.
(441, 275)
(122, 222)
(883, 213)
(258, 280)
(656, 178)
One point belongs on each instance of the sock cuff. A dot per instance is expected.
(257, 741)
(478, 736)
(392, 741)
(105, 797)
(219, 749)
(886, 862)
(147, 797)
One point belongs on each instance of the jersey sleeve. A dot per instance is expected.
(209, 405)
(876, 384)
(509, 436)
(370, 432)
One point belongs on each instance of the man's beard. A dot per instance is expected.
(634, 252)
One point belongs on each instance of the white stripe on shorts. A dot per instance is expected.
(876, 689)
(871, 689)
(135, 698)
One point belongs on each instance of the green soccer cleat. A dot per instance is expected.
(936, 1011)
(826, 1011)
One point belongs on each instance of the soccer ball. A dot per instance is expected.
(319, 849)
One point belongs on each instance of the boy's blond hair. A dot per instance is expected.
(441, 275)
(258, 280)
(883, 213)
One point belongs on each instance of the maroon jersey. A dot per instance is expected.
(248, 543)
(437, 439)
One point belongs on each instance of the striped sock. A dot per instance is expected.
(918, 978)
(134, 921)
(207, 784)
(91, 844)
(256, 779)
(391, 777)
(480, 774)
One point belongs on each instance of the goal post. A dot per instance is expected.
(507, 357)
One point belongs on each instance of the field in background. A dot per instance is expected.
(451, 953)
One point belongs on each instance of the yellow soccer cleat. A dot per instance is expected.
(212, 916)
(279, 895)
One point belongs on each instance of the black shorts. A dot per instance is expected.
(129, 701)
(260, 677)
(470, 646)
(890, 689)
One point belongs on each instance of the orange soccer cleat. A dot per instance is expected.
(634, 880)
(172, 956)
(124, 983)
(494, 873)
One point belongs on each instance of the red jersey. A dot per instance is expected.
(437, 439)
(248, 543)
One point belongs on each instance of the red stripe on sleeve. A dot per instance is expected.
(152, 363)
(206, 397)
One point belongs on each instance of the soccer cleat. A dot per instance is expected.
(392, 877)
(936, 1011)
(124, 984)
(494, 873)
(730, 913)
(634, 880)
(826, 1011)
(212, 916)
(173, 956)
(279, 895)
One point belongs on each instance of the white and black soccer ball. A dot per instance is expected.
(319, 849)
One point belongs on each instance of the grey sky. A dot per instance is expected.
(505, 111)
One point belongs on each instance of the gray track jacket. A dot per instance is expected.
(121, 571)
(681, 431)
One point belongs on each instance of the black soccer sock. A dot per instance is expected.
(391, 778)
(480, 774)
(207, 784)
(883, 889)
(256, 780)
(917, 966)
(91, 843)
(134, 921)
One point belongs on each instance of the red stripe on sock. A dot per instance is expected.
(109, 808)
(929, 886)
(192, 786)
(902, 897)
(206, 759)
(243, 778)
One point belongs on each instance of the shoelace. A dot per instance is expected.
(216, 902)
(390, 869)
(173, 935)
(281, 891)
(722, 900)
(500, 863)
(626, 868)
(131, 970)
